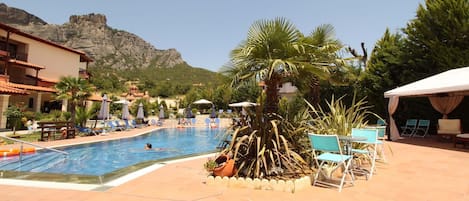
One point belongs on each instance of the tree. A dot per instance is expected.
(320, 51)
(274, 50)
(222, 96)
(82, 115)
(437, 39)
(267, 144)
(246, 91)
(384, 70)
(14, 114)
(75, 90)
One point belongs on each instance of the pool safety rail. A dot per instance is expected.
(22, 150)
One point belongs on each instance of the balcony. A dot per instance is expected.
(3, 53)
(19, 56)
(14, 51)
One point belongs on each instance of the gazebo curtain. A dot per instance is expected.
(392, 107)
(446, 104)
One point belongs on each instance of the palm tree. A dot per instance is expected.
(267, 145)
(320, 50)
(75, 90)
(275, 50)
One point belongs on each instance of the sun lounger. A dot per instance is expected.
(128, 125)
(113, 127)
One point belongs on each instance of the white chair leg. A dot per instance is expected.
(346, 170)
(373, 161)
(316, 177)
(382, 155)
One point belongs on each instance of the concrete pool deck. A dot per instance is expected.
(417, 169)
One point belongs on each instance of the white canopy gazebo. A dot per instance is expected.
(445, 90)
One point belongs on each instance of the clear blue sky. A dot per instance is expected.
(205, 31)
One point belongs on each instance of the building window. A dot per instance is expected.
(30, 103)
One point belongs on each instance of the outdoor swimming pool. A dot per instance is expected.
(110, 159)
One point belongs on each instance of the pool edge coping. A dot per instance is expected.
(96, 187)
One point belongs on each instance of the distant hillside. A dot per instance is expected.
(123, 53)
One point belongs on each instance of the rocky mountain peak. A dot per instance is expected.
(10, 15)
(97, 19)
(109, 47)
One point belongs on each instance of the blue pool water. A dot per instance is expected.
(100, 158)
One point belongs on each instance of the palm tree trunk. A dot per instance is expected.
(272, 96)
(73, 113)
(314, 92)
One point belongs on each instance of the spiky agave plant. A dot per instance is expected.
(339, 119)
(262, 149)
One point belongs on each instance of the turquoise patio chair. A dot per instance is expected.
(409, 129)
(380, 122)
(382, 138)
(369, 150)
(422, 128)
(330, 153)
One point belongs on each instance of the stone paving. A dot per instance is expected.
(417, 169)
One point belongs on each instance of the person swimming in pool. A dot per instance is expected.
(148, 146)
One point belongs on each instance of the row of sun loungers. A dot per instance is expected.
(118, 125)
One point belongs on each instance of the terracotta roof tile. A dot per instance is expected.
(31, 87)
(5, 89)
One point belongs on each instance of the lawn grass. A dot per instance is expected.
(33, 137)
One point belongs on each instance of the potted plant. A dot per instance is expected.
(225, 166)
(222, 166)
(210, 165)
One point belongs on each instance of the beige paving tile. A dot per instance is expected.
(418, 170)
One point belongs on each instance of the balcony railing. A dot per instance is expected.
(14, 53)
(19, 56)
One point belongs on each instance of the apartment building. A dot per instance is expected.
(30, 67)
